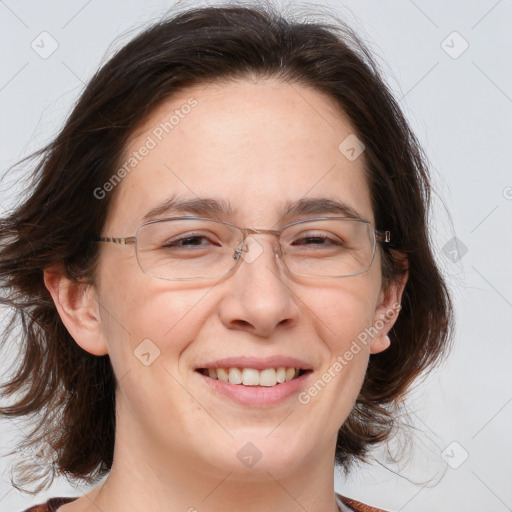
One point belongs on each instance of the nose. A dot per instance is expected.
(259, 299)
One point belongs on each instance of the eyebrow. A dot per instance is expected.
(318, 206)
(210, 207)
(196, 206)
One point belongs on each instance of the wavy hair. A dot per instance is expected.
(71, 392)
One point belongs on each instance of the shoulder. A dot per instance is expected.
(51, 505)
(351, 505)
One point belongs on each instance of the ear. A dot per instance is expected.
(386, 313)
(78, 308)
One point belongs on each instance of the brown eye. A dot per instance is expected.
(323, 239)
(191, 241)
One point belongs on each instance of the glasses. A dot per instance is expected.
(190, 248)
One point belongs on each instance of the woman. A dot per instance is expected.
(222, 271)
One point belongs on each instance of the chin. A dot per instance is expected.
(256, 454)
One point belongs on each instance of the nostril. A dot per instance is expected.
(242, 323)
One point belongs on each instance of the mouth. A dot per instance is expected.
(267, 377)
(254, 382)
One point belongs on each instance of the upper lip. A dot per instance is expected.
(257, 363)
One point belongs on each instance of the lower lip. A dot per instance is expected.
(257, 396)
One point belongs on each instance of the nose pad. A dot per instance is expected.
(278, 252)
(250, 250)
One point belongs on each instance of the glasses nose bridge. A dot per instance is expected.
(255, 231)
(247, 232)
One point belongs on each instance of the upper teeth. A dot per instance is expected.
(252, 377)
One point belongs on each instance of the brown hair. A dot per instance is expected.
(72, 391)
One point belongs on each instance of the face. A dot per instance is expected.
(257, 148)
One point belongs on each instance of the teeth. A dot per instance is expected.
(268, 377)
(222, 374)
(290, 374)
(252, 377)
(235, 376)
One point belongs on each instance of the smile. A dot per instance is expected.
(267, 377)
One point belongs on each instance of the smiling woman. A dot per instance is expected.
(248, 303)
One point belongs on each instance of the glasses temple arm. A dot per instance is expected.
(130, 240)
(383, 236)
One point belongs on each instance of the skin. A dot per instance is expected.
(256, 144)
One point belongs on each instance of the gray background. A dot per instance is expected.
(460, 104)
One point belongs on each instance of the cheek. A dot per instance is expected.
(142, 315)
(342, 311)
(342, 317)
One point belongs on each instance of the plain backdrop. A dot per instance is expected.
(448, 62)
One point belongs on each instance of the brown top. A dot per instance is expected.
(357, 506)
(51, 505)
(54, 503)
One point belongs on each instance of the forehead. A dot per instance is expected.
(254, 147)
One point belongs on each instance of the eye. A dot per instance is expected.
(192, 240)
(322, 238)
